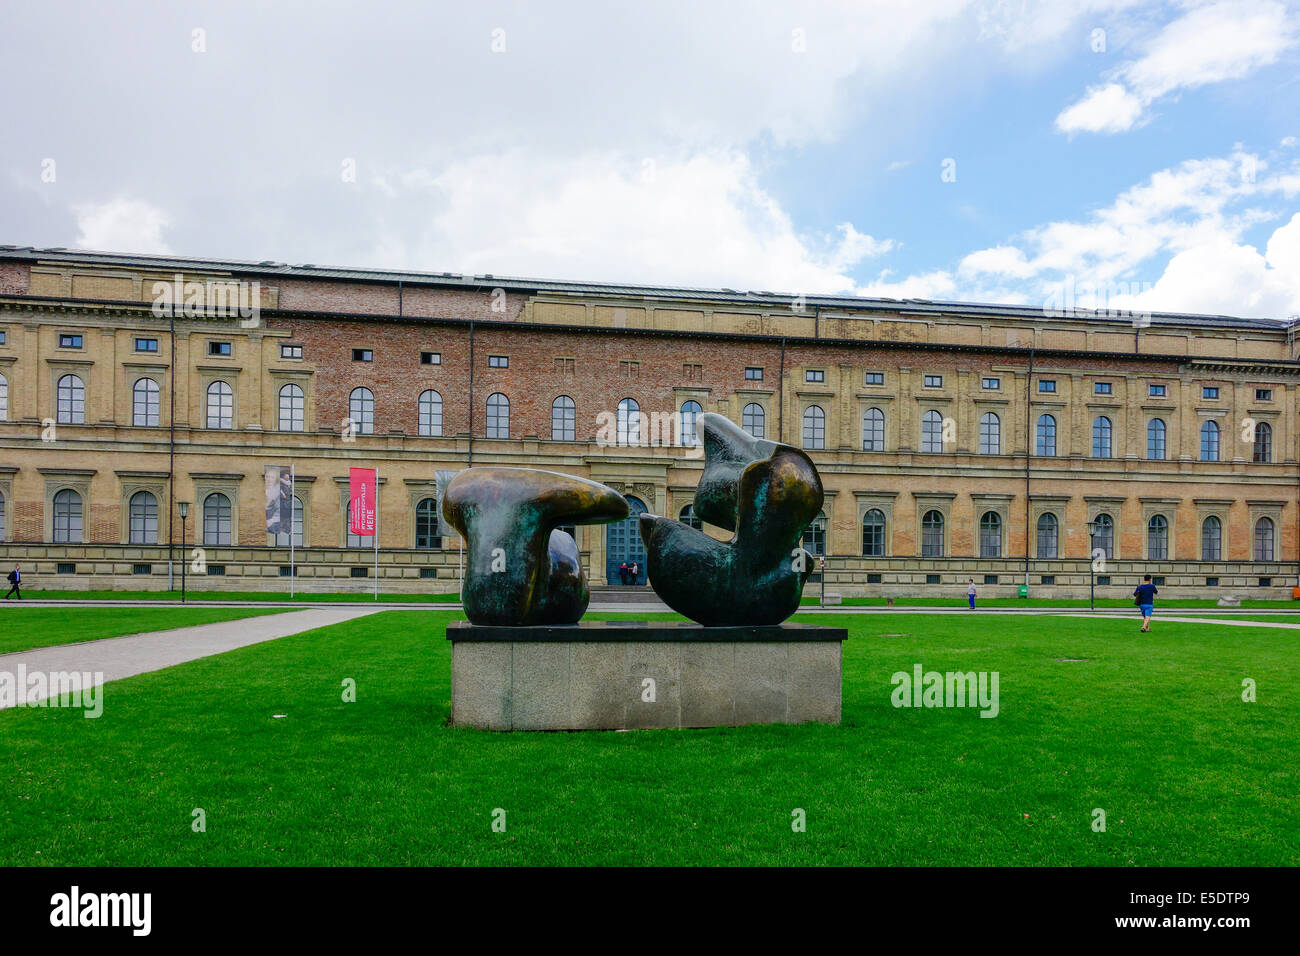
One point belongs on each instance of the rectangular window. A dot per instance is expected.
(566, 366)
(814, 375)
(1047, 579)
(498, 361)
(65, 568)
(360, 572)
(428, 572)
(1263, 395)
(1210, 391)
(2, 337)
(990, 579)
(216, 570)
(1157, 391)
(288, 570)
(142, 569)
(1047, 385)
(1211, 582)
(1101, 388)
(932, 579)
(754, 374)
(693, 372)
(430, 358)
(628, 368)
(146, 345)
(875, 378)
(873, 578)
(1103, 579)
(934, 381)
(1266, 582)
(991, 383)
(1158, 580)
(69, 341)
(219, 348)
(291, 351)
(363, 355)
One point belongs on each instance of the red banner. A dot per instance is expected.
(361, 496)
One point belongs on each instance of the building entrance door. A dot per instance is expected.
(623, 543)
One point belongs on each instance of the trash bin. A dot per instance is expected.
(1024, 590)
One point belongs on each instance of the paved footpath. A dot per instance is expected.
(119, 657)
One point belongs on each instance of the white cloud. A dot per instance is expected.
(1221, 41)
(121, 224)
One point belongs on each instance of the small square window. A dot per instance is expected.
(360, 572)
(1158, 580)
(1263, 395)
(1103, 579)
(146, 345)
(430, 358)
(934, 381)
(219, 348)
(932, 579)
(875, 378)
(873, 578)
(1101, 388)
(428, 572)
(291, 351)
(498, 361)
(363, 355)
(1210, 391)
(814, 375)
(65, 568)
(1211, 582)
(1266, 582)
(69, 341)
(990, 579)
(1047, 579)
(1047, 385)
(142, 569)
(1157, 391)
(991, 383)
(754, 374)
(216, 570)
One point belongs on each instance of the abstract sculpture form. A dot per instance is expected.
(520, 570)
(764, 491)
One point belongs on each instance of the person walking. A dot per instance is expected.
(970, 594)
(1144, 596)
(636, 572)
(15, 579)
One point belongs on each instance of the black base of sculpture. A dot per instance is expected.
(651, 631)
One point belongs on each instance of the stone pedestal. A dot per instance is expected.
(622, 675)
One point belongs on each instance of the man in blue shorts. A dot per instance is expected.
(1145, 598)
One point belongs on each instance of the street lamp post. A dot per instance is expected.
(1092, 547)
(184, 508)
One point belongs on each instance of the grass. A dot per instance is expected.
(28, 628)
(198, 597)
(1151, 728)
(960, 602)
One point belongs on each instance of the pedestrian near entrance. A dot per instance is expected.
(970, 594)
(1144, 596)
(15, 580)
(636, 572)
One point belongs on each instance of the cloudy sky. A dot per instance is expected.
(987, 151)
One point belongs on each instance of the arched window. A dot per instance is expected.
(355, 540)
(629, 422)
(142, 518)
(564, 419)
(1158, 538)
(1047, 436)
(687, 517)
(752, 419)
(1210, 441)
(814, 536)
(1263, 442)
(873, 430)
(932, 432)
(1104, 539)
(144, 403)
(221, 406)
(71, 401)
(991, 535)
(932, 535)
(293, 408)
(814, 427)
(4, 399)
(873, 534)
(1264, 539)
(690, 424)
(426, 525)
(990, 434)
(216, 519)
(67, 517)
(1048, 535)
(282, 539)
(429, 414)
(1212, 539)
(1156, 439)
(1101, 431)
(498, 416)
(361, 411)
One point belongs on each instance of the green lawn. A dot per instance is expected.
(960, 602)
(1151, 728)
(29, 627)
(201, 596)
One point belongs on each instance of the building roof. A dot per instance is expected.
(272, 269)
